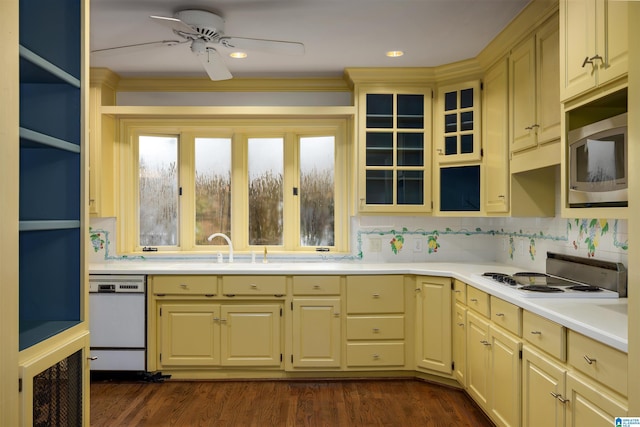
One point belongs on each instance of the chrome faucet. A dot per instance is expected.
(225, 237)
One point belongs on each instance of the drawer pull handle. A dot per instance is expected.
(474, 300)
(316, 286)
(457, 291)
(93, 358)
(536, 333)
(216, 319)
(485, 343)
(376, 330)
(253, 286)
(559, 397)
(337, 314)
(461, 325)
(589, 359)
(376, 356)
(184, 286)
(376, 295)
(500, 314)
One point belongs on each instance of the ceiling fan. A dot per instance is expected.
(202, 29)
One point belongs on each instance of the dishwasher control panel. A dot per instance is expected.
(116, 283)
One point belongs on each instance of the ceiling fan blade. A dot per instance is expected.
(269, 46)
(136, 47)
(175, 24)
(213, 65)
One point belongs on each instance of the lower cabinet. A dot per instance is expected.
(195, 334)
(494, 370)
(316, 337)
(433, 323)
(588, 405)
(544, 402)
(459, 343)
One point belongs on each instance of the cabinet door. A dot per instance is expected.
(459, 127)
(189, 334)
(589, 406)
(522, 69)
(548, 83)
(613, 46)
(505, 372)
(459, 343)
(250, 335)
(478, 352)
(433, 327)
(577, 44)
(495, 138)
(394, 146)
(543, 380)
(316, 332)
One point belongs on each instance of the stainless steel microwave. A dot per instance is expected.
(598, 165)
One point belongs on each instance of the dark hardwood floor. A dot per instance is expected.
(393, 402)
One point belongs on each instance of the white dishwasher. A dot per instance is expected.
(117, 322)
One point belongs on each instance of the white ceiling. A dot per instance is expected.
(337, 34)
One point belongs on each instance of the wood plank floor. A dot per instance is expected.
(401, 402)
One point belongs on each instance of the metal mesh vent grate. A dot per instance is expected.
(57, 394)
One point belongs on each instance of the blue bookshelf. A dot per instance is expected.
(50, 233)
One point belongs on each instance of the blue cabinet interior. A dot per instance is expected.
(50, 271)
(460, 188)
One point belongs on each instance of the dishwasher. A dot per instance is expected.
(117, 322)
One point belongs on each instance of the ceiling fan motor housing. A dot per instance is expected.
(207, 24)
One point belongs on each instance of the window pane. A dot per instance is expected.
(266, 168)
(158, 182)
(316, 191)
(213, 188)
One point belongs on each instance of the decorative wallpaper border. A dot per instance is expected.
(589, 232)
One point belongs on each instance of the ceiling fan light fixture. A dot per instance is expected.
(238, 55)
(394, 53)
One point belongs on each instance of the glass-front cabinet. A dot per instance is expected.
(394, 150)
(458, 123)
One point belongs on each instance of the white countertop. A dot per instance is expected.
(604, 320)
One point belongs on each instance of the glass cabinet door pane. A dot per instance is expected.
(450, 101)
(410, 187)
(450, 123)
(466, 143)
(379, 149)
(450, 145)
(410, 149)
(466, 98)
(466, 120)
(379, 187)
(379, 111)
(410, 111)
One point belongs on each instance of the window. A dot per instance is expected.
(281, 186)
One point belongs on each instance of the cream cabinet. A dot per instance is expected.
(316, 322)
(375, 324)
(589, 406)
(478, 353)
(534, 98)
(394, 140)
(433, 324)
(459, 343)
(495, 138)
(189, 334)
(544, 400)
(458, 123)
(593, 44)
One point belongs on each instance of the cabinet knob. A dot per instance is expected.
(589, 359)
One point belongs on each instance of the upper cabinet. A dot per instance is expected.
(394, 144)
(458, 123)
(593, 44)
(534, 118)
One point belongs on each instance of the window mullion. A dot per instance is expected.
(186, 180)
(291, 228)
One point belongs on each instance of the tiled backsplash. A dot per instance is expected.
(522, 242)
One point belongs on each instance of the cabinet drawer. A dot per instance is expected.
(506, 315)
(375, 328)
(599, 361)
(316, 285)
(375, 294)
(545, 334)
(185, 285)
(378, 354)
(460, 291)
(478, 300)
(254, 285)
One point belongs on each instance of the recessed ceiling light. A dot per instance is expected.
(238, 55)
(394, 53)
